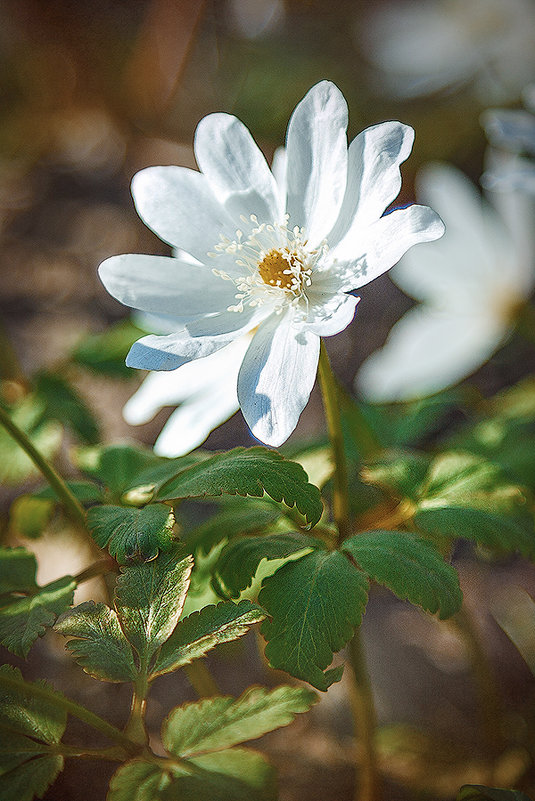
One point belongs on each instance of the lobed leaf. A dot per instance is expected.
(201, 631)
(222, 722)
(84, 491)
(100, 647)
(24, 713)
(105, 353)
(410, 566)
(131, 533)
(116, 466)
(401, 473)
(30, 778)
(149, 599)
(239, 560)
(247, 471)
(25, 618)
(15, 465)
(315, 604)
(232, 775)
(63, 403)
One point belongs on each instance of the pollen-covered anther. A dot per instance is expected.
(283, 269)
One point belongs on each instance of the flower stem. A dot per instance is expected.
(99, 568)
(74, 709)
(363, 708)
(362, 703)
(329, 394)
(135, 728)
(73, 508)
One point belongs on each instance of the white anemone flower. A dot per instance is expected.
(275, 260)
(471, 286)
(425, 46)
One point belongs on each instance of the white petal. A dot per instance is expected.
(179, 206)
(234, 165)
(229, 322)
(332, 316)
(276, 378)
(316, 146)
(373, 175)
(165, 285)
(169, 352)
(278, 168)
(385, 242)
(426, 351)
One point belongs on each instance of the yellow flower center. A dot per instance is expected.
(281, 269)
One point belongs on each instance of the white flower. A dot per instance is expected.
(471, 285)
(513, 131)
(274, 260)
(425, 46)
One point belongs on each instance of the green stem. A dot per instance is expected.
(490, 707)
(73, 508)
(74, 709)
(525, 322)
(362, 703)
(329, 394)
(201, 679)
(113, 754)
(363, 708)
(99, 568)
(135, 728)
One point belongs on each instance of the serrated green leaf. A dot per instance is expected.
(459, 479)
(31, 778)
(63, 403)
(232, 775)
(240, 516)
(401, 473)
(106, 353)
(149, 599)
(100, 647)
(222, 722)
(15, 465)
(29, 516)
(116, 466)
(499, 531)
(315, 604)
(131, 533)
(476, 792)
(248, 471)
(24, 713)
(17, 570)
(201, 631)
(239, 560)
(24, 619)
(410, 566)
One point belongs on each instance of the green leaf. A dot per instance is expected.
(238, 516)
(31, 778)
(131, 533)
(149, 599)
(495, 530)
(201, 631)
(64, 404)
(232, 775)
(459, 479)
(24, 713)
(116, 466)
(24, 619)
(100, 647)
(84, 491)
(15, 465)
(106, 353)
(222, 722)
(17, 570)
(410, 566)
(239, 559)
(29, 515)
(315, 604)
(247, 471)
(400, 473)
(476, 792)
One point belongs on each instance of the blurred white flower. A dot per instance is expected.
(274, 260)
(254, 18)
(425, 46)
(470, 286)
(512, 131)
